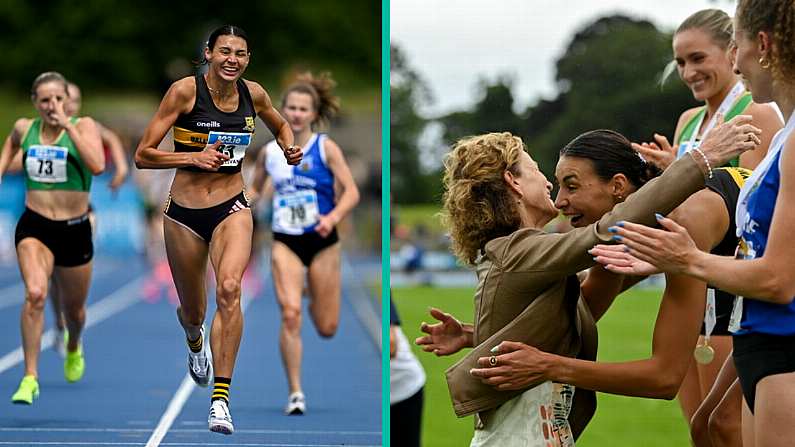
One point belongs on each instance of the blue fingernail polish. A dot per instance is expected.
(658, 216)
(612, 229)
(620, 223)
(616, 238)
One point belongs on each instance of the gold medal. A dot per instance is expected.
(704, 353)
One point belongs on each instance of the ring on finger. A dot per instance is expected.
(493, 360)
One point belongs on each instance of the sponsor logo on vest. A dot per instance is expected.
(249, 124)
(210, 124)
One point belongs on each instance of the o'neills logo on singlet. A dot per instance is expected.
(210, 124)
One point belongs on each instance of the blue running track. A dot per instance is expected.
(135, 392)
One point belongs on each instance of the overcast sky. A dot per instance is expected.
(453, 43)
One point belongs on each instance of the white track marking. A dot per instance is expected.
(112, 304)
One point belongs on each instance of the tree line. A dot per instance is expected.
(608, 77)
(144, 45)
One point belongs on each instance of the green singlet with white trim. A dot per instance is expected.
(737, 108)
(55, 166)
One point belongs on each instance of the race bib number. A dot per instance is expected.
(232, 144)
(295, 211)
(46, 164)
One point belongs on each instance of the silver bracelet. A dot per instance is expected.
(709, 168)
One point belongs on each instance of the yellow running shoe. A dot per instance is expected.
(27, 391)
(74, 365)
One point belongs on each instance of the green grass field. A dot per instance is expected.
(624, 334)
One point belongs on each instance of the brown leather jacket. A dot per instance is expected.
(528, 291)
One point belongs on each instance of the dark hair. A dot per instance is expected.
(226, 30)
(48, 76)
(778, 18)
(611, 153)
(320, 88)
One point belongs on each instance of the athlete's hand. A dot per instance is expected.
(515, 366)
(57, 114)
(210, 158)
(660, 153)
(293, 154)
(444, 338)
(671, 249)
(730, 139)
(325, 225)
(616, 259)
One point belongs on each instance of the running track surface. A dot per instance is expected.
(134, 391)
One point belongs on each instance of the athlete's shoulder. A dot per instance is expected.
(86, 122)
(329, 145)
(22, 124)
(254, 88)
(20, 129)
(184, 88)
(688, 114)
(763, 111)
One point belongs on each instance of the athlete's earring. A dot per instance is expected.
(764, 63)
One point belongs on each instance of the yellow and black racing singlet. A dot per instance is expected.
(205, 124)
(727, 183)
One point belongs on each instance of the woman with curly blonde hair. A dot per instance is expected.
(496, 205)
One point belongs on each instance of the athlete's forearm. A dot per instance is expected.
(469, 335)
(91, 155)
(153, 158)
(348, 200)
(7, 154)
(643, 378)
(284, 136)
(116, 152)
(754, 278)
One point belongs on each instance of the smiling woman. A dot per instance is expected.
(703, 57)
(207, 213)
(496, 205)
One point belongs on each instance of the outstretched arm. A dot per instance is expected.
(768, 278)
(446, 337)
(675, 331)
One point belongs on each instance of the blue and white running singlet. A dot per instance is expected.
(754, 218)
(301, 193)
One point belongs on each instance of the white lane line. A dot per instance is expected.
(178, 401)
(359, 300)
(15, 294)
(183, 430)
(198, 444)
(12, 295)
(112, 304)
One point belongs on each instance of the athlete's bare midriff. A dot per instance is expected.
(204, 189)
(57, 204)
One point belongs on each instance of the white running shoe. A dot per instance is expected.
(220, 420)
(296, 404)
(200, 364)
